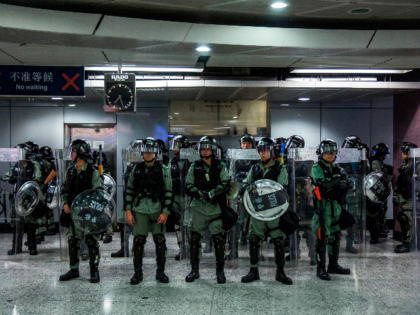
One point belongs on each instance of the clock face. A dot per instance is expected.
(119, 96)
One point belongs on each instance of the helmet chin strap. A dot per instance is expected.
(206, 157)
(267, 161)
(152, 160)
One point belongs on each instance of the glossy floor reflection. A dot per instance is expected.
(381, 283)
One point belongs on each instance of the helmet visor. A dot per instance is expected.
(330, 148)
(205, 146)
(265, 148)
(149, 148)
(175, 145)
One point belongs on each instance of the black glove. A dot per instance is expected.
(257, 172)
(343, 185)
(327, 186)
(207, 197)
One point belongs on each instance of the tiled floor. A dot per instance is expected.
(380, 283)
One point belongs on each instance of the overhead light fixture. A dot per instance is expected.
(284, 105)
(56, 98)
(381, 71)
(72, 105)
(304, 99)
(279, 5)
(332, 79)
(148, 69)
(203, 49)
(176, 113)
(235, 117)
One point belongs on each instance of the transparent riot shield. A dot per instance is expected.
(63, 162)
(354, 163)
(302, 243)
(239, 162)
(407, 201)
(11, 223)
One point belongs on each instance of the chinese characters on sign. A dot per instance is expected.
(41, 81)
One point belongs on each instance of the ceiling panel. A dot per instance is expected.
(285, 94)
(403, 63)
(143, 29)
(251, 93)
(396, 39)
(217, 93)
(47, 20)
(136, 58)
(250, 61)
(339, 62)
(151, 94)
(296, 52)
(175, 94)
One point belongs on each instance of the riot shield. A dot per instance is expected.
(299, 164)
(239, 163)
(11, 223)
(353, 161)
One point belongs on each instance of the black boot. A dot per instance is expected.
(350, 249)
(219, 250)
(333, 266)
(194, 253)
(402, 248)
(280, 261)
(321, 262)
(138, 246)
(31, 233)
(160, 243)
(252, 275)
(108, 239)
(17, 240)
(122, 251)
(74, 260)
(94, 257)
(40, 237)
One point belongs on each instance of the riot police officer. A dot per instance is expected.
(28, 170)
(148, 203)
(207, 184)
(124, 228)
(376, 216)
(352, 200)
(267, 168)
(330, 181)
(80, 176)
(404, 197)
(179, 169)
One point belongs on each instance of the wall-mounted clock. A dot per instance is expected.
(120, 93)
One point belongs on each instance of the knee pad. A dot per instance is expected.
(254, 240)
(195, 238)
(337, 236)
(139, 240)
(159, 239)
(278, 243)
(90, 241)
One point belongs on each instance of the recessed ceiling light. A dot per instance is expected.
(349, 71)
(72, 105)
(176, 113)
(279, 5)
(203, 49)
(304, 99)
(56, 98)
(359, 11)
(235, 117)
(284, 104)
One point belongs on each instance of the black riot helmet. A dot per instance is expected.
(352, 142)
(294, 142)
(135, 143)
(365, 146)
(150, 145)
(27, 151)
(207, 142)
(162, 146)
(380, 149)
(247, 138)
(406, 146)
(46, 153)
(82, 148)
(325, 146)
(267, 144)
(179, 142)
(34, 146)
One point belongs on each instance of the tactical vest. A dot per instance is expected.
(200, 180)
(405, 181)
(242, 169)
(272, 173)
(25, 175)
(152, 180)
(78, 183)
(44, 174)
(333, 194)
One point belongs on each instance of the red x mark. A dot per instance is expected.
(70, 82)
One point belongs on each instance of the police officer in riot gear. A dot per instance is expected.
(303, 206)
(124, 228)
(267, 168)
(80, 176)
(28, 171)
(207, 184)
(330, 180)
(148, 203)
(376, 216)
(353, 170)
(404, 198)
(179, 169)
